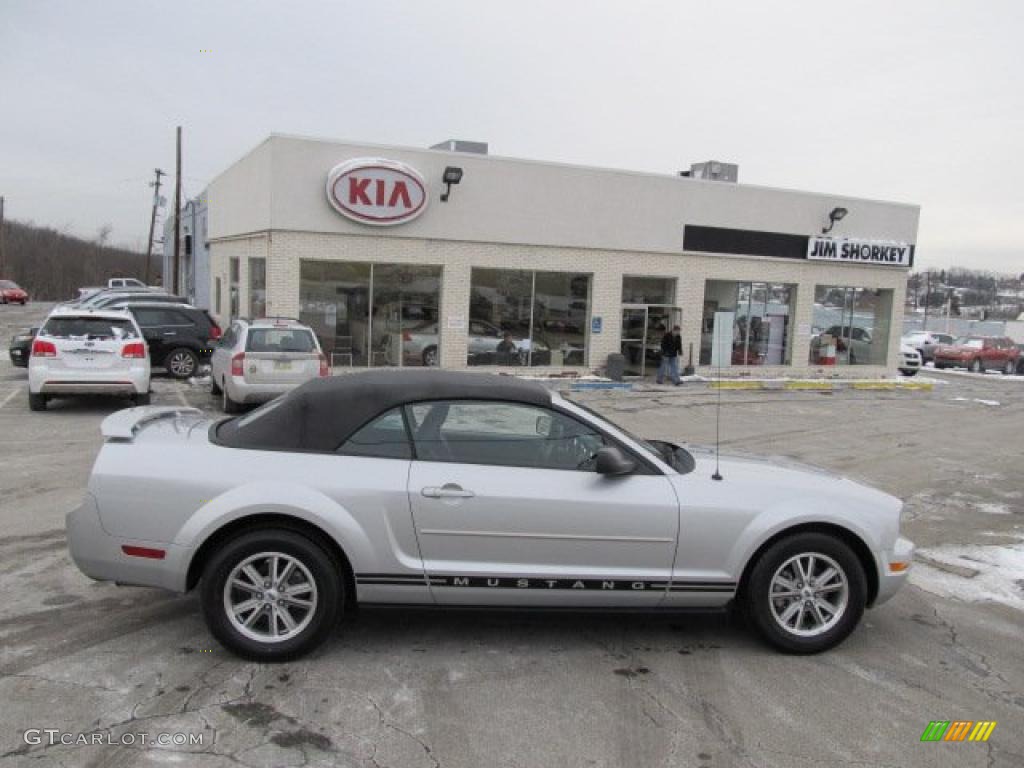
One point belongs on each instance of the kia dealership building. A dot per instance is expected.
(398, 256)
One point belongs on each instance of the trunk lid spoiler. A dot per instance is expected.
(124, 424)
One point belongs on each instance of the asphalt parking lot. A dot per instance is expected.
(400, 688)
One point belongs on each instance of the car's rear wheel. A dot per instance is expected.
(36, 402)
(227, 404)
(214, 386)
(143, 398)
(271, 595)
(806, 593)
(181, 363)
(975, 366)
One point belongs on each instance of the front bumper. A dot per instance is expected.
(99, 555)
(889, 580)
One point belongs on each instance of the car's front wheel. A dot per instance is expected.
(806, 593)
(271, 595)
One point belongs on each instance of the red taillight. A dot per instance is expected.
(154, 554)
(215, 332)
(43, 349)
(406, 336)
(324, 371)
(136, 349)
(236, 364)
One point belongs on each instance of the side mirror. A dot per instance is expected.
(613, 463)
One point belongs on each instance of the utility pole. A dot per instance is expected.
(177, 215)
(152, 219)
(927, 296)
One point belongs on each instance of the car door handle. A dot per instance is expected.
(447, 491)
(170, 333)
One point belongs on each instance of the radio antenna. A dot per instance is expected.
(718, 404)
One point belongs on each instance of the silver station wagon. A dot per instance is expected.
(257, 360)
(443, 488)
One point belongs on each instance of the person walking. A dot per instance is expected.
(671, 349)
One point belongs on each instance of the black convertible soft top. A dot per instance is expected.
(321, 414)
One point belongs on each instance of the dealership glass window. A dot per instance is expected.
(760, 316)
(521, 317)
(257, 288)
(648, 290)
(850, 325)
(372, 314)
(233, 278)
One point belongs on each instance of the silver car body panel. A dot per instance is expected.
(523, 537)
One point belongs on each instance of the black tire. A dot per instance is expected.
(909, 371)
(36, 402)
(430, 357)
(976, 366)
(1020, 366)
(227, 404)
(181, 363)
(143, 398)
(215, 389)
(940, 366)
(326, 576)
(760, 609)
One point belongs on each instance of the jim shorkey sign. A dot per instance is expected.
(881, 252)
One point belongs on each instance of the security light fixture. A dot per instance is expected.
(452, 175)
(836, 214)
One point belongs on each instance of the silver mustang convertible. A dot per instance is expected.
(443, 488)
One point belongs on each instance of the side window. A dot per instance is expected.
(178, 318)
(384, 438)
(502, 434)
(147, 318)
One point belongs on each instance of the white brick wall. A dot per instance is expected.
(285, 249)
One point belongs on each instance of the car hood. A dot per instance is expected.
(771, 478)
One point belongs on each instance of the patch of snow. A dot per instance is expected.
(1000, 577)
(991, 508)
(987, 402)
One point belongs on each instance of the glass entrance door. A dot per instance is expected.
(642, 328)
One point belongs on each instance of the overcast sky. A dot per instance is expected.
(919, 102)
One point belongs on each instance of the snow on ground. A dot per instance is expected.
(999, 569)
(991, 403)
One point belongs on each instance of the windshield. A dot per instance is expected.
(647, 444)
(8, 284)
(88, 328)
(964, 341)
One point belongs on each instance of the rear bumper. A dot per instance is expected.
(243, 392)
(99, 555)
(43, 380)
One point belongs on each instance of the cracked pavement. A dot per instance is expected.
(400, 688)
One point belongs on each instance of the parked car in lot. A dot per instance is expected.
(441, 488)
(12, 293)
(180, 337)
(88, 352)
(910, 360)
(257, 360)
(125, 282)
(419, 347)
(925, 342)
(20, 348)
(117, 298)
(979, 353)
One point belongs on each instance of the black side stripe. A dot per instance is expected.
(533, 582)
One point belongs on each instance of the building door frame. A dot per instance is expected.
(644, 344)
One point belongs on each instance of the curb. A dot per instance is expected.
(799, 385)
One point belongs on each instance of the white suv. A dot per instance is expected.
(257, 360)
(88, 352)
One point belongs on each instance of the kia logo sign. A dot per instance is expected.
(376, 191)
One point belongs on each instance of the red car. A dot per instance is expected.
(979, 353)
(12, 293)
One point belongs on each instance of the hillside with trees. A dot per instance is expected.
(52, 265)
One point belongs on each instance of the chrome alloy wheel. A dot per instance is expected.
(181, 364)
(808, 594)
(270, 597)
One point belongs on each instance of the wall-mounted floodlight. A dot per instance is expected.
(452, 175)
(836, 214)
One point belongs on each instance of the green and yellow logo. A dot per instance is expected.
(958, 730)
